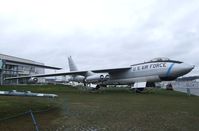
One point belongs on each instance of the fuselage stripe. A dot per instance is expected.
(169, 70)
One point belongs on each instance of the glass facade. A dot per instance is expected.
(11, 66)
(14, 70)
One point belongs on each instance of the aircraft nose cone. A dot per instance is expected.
(193, 66)
(183, 69)
(188, 68)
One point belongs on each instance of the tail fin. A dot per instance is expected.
(71, 64)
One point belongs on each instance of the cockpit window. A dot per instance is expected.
(164, 59)
(160, 59)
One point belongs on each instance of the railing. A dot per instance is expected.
(190, 86)
(31, 113)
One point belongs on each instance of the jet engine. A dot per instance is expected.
(96, 78)
(77, 78)
(107, 77)
(33, 80)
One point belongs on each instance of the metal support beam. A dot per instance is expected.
(1, 71)
(17, 74)
(188, 92)
(34, 120)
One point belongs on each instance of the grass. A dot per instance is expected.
(108, 109)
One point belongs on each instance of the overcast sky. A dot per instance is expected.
(100, 33)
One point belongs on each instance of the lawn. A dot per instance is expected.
(107, 109)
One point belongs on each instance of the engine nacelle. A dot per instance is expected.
(94, 78)
(77, 78)
(97, 78)
(107, 77)
(33, 80)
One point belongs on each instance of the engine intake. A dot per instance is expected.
(96, 78)
(33, 80)
(107, 77)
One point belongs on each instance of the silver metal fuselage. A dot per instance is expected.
(155, 70)
(150, 72)
(144, 72)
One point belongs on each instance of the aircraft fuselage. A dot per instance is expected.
(144, 72)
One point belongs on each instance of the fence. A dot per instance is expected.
(29, 112)
(190, 87)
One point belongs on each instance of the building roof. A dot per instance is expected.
(18, 60)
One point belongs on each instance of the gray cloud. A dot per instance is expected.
(101, 34)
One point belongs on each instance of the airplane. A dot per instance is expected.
(137, 76)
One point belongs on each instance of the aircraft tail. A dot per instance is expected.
(71, 64)
(73, 67)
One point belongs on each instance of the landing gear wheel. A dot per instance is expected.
(138, 90)
(97, 87)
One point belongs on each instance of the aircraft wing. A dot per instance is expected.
(113, 70)
(48, 75)
(83, 73)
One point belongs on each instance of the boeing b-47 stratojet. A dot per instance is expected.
(137, 75)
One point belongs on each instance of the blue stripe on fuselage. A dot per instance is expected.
(169, 70)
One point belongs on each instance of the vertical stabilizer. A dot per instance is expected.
(71, 64)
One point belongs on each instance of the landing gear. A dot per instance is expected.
(139, 90)
(85, 84)
(97, 87)
(138, 87)
(150, 84)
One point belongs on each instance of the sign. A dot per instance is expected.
(150, 66)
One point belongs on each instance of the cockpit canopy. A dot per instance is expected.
(160, 59)
(164, 59)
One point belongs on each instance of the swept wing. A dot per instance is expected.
(83, 73)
